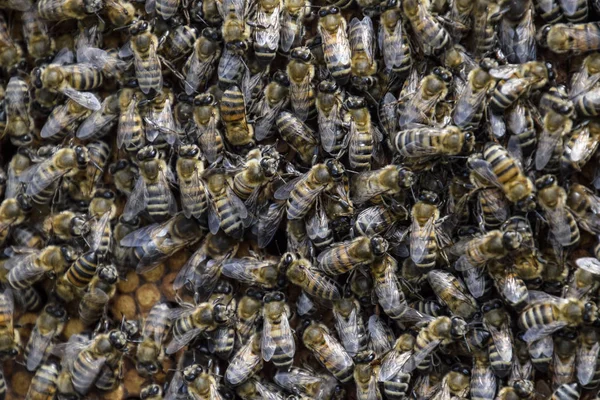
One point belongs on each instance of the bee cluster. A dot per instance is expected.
(274, 199)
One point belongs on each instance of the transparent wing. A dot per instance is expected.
(347, 329)
(467, 105)
(495, 202)
(484, 169)
(475, 281)
(419, 239)
(39, 343)
(94, 123)
(86, 99)
(589, 264)
(93, 367)
(580, 146)
(587, 357)
(124, 132)
(420, 355)
(243, 269)
(141, 236)
(543, 347)
(147, 66)
(288, 33)
(328, 127)
(559, 224)
(268, 345)
(389, 292)
(540, 331)
(269, 223)
(502, 340)
(178, 342)
(366, 37)
(267, 115)
(244, 361)
(340, 49)
(392, 363)
(546, 145)
(98, 298)
(137, 201)
(98, 231)
(283, 192)
(207, 139)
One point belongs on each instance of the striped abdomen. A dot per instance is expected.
(166, 8)
(567, 391)
(342, 371)
(538, 314)
(500, 366)
(298, 205)
(431, 32)
(158, 203)
(83, 270)
(30, 298)
(182, 326)
(108, 377)
(507, 93)
(303, 101)
(397, 387)
(280, 358)
(430, 252)
(490, 220)
(193, 198)
(43, 384)
(149, 76)
(338, 64)
(30, 270)
(53, 10)
(408, 142)
(588, 104)
(359, 156)
(231, 222)
(131, 127)
(83, 77)
(85, 371)
(223, 342)
(42, 196)
(550, 11)
(6, 311)
(233, 107)
(579, 14)
(504, 166)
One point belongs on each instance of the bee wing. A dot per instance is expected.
(237, 203)
(268, 345)
(340, 53)
(207, 137)
(582, 82)
(339, 355)
(94, 123)
(587, 357)
(391, 364)
(86, 99)
(467, 105)
(483, 377)
(420, 355)
(288, 33)
(140, 236)
(365, 39)
(540, 331)
(95, 296)
(267, 115)
(496, 202)
(178, 343)
(559, 225)
(191, 193)
(150, 7)
(389, 292)
(243, 269)
(125, 135)
(266, 393)
(323, 284)
(137, 201)
(589, 264)
(268, 223)
(147, 65)
(24, 264)
(243, 362)
(98, 231)
(347, 330)
(475, 281)
(536, 296)
(9, 302)
(543, 347)
(419, 238)
(160, 313)
(299, 94)
(268, 34)
(86, 380)
(379, 335)
(502, 340)
(283, 192)
(484, 169)
(39, 344)
(546, 145)
(328, 127)
(59, 113)
(512, 288)
(176, 383)
(198, 70)
(580, 145)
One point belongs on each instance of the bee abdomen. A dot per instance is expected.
(43, 384)
(158, 205)
(232, 106)
(166, 8)
(360, 155)
(83, 270)
(83, 372)
(31, 298)
(539, 314)
(397, 387)
(224, 345)
(500, 367)
(107, 379)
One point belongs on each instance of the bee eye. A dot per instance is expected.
(334, 10)
(323, 12)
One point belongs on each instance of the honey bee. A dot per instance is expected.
(569, 38)
(226, 211)
(363, 137)
(393, 41)
(452, 293)
(150, 353)
(552, 198)
(329, 104)
(390, 180)
(510, 286)
(54, 10)
(432, 89)
(430, 142)
(19, 163)
(152, 192)
(200, 65)
(44, 382)
(472, 101)
(396, 382)
(277, 341)
(292, 23)
(99, 122)
(13, 212)
(235, 27)
(207, 117)
(522, 389)
(586, 77)
(252, 271)
(387, 287)
(299, 136)
(11, 53)
(349, 325)
(356, 253)
(191, 321)
(301, 71)
(362, 45)
(144, 45)
(155, 243)
(248, 313)
(547, 314)
(189, 173)
(160, 123)
(48, 326)
(16, 105)
(302, 193)
(245, 362)
(103, 350)
(587, 358)
(100, 291)
(336, 48)
(64, 120)
(254, 390)
(151, 392)
(275, 98)
(379, 220)
(503, 170)
(423, 239)
(232, 66)
(304, 382)
(301, 272)
(30, 267)
(267, 30)
(10, 340)
(440, 330)
(431, 36)
(584, 205)
(493, 245)
(581, 145)
(238, 131)
(566, 344)
(497, 321)
(365, 376)
(42, 179)
(556, 125)
(328, 351)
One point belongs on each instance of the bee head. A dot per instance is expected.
(379, 246)
(269, 166)
(511, 240)
(79, 226)
(355, 103)
(302, 54)
(204, 100)
(335, 168)
(189, 151)
(491, 305)
(363, 82)
(147, 368)
(458, 327)
(24, 202)
(545, 181)
(212, 34)
(429, 197)
(273, 296)
(147, 153)
(328, 86)
(488, 63)
(443, 74)
(388, 5)
(469, 142)
(36, 75)
(461, 369)
(108, 274)
(281, 78)
(221, 314)
(331, 10)
(365, 357)
(57, 311)
(118, 340)
(92, 6)
(590, 312)
(254, 293)
(23, 140)
(563, 108)
(118, 166)
(68, 253)
(223, 287)
(542, 35)
(406, 178)
(106, 194)
(150, 391)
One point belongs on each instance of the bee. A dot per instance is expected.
(207, 117)
(151, 392)
(101, 289)
(189, 175)
(520, 123)
(16, 106)
(586, 77)
(329, 104)
(365, 376)
(252, 271)
(254, 390)
(584, 205)
(349, 325)
(10, 340)
(200, 65)
(130, 131)
(497, 321)
(179, 42)
(390, 180)
(304, 382)
(566, 344)
(100, 122)
(144, 45)
(155, 243)
(48, 326)
(13, 212)
(151, 191)
(420, 108)
(54, 10)
(301, 72)
(379, 220)
(328, 351)
(44, 382)
(166, 9)
(226, 211)
(552, 198)
(393, 41)
(150, 353)
(30, 267)
(440, 330)
(510, 286)
(302, 193)
(362, 45)
(248, 312)
(483, 380)
(64, 120)
(549, 10)
(363, 137)
(547, 314)
(522, 389)
(395, 381)
(201, 385)
(381, 337)
(103, 350)
(191, 321)
(430, 142)
(387, 287)
(581, 145)
(431, 36)
(301, 272)
(267, 30)
(516, 34)
(356, 253)
(471, 103)
(277, 341)
(586, 365)
(233, 113)
(235, 27)
(19, 163)
(451, 292)
(245, 362)
(336, 48)
(11, 53)
(77, 276)
(42, 179)
(160, 124)
(423, 240)
(292, 23)
(569, 38)
(298, 135)
(567, 391)
(503, 170)
(556, 125)
(494, 245)
(232, 66)
(275, 98)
